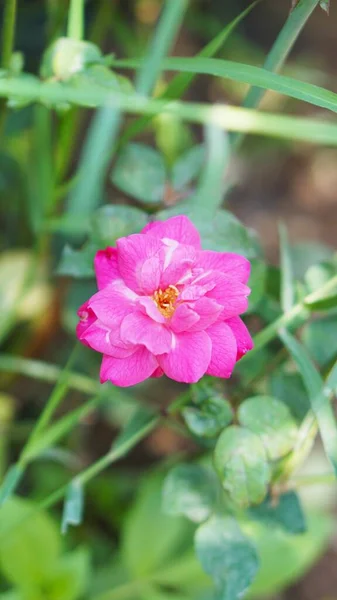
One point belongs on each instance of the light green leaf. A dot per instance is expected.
(190, 490)
(241, 462)
(140, 173)
(150, 538)
(227, 556)
(73, 506)
(320, 403)
(71, 576)
(272, 421)
(31, 550)
(188, 166)
(111, 222)
(210, 192)
(285, 512)
(10, 482)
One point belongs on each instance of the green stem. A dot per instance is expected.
(37, 369)
(8, 32)
(319, 479)
(53, 402)
(76, 20)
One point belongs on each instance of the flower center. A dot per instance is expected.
(165, 300)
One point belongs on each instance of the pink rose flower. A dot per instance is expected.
(165, 306)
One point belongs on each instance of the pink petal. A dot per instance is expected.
(112, 304)
(189, 358)
(183, 318)
(178, 264)
(158, 373)
(209, 312)
(178, 228)
(235, 265)
(140, 262)
(242, 336)
(102, 340)
(87, 317)
(128, 371)
(224, 350)
(147, 305)
(230, 293)
(106, 267)
(138, 328)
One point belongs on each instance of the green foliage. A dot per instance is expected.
(271, 420)
(31, 559)
(209, 413)
(285, 512)
(222, 550)
(241, 462)
(190, 490)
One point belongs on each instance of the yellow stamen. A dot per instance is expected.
(165, 300)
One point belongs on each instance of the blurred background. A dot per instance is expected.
(269, 180)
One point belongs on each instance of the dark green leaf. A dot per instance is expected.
(140, 419)
(241, 462)
(111, 222)
(257, 283)
(227, 556)
(285, 512)
(208, 419)
(320, 338)
(272, 421)
(77, 263)
(188, 166)
(190, 490)
(289, 388)
(287, 277)
(73, 507)
(140, 173)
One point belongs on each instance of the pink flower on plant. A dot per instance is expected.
(165, 306)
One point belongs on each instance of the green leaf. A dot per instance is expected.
(324, 304)
(10, 482)
(223, 232)
(28, 554)
(306, 254)
(320, 339)
(188, 166)
(289, 388)
(140, 173)
(111, 222)
(190, 490)
(284, 511)
(210, 192)
(73, 506)
(284, 557)
(325, 5)
(178, 84)
(287, 277)
(320, 403)
(160, 45)
(71, 577)
(77, 263)
(257, 283)
(227, 556)
(241, 462)
(140, 420)
(66, 57)
(208, 420)
(272, 421)
(318, 274)
(150, 538)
